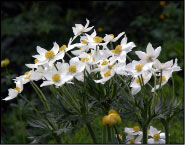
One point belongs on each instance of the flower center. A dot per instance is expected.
(150, 58)
(156, 136)
(107, 73)
(117, 50)
(56, 77)
(28, 76)
(132, 141)
(90, 53)
(72, 68)
(97, 39)
(26, 73)
(110, 66)
(105, 62)
(49, 54)
(63, 47)
(162, 80)
(36, 60)
(84, 59)
(17, 89)
(139, 67)
(111, 35)
(84, 42)
(136, 128)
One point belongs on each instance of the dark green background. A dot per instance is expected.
(25, 25)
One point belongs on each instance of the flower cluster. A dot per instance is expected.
(134, 135)
(95, 54)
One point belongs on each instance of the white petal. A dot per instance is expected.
(74, 61)
(124, 40)
(141, 54)
(116, 38)
(150, 49)
(55, 48)
(11, 94)
(87, 24)
(41, 50)
(157, 51)
(46, 83)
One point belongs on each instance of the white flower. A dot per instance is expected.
(157, 137)
(79, 28)
(57, 77)
(165, 77)
(150, 55)
(175, 67)
(111, 38)
(163, 66)
(70, 46)
(133, 131)
(92, 40)
(136, 87)
(130, 139)
(121, 50)
(12, 93)
(75, 68)
(49, 56)
(137, 68)
(81, 50)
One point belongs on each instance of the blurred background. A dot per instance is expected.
(25, 25)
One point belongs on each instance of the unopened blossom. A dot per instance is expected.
(157, 136)
(111, 119)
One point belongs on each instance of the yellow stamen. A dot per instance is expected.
(112, 35)
(72, 68)
(27, 77)
(90, 53)
(26, 73)
(110, 66)
(161, 16)
(84, 59)
(107, 73)
(117, 50)
(56, 78)
(49, 54)
(36, 60)
(105, 62)
(136, 128)
(17, 89)
(139, 67)
(97, 39)
(156, 137)
(84, 42)
(163, 79)
(132, 141)
(63, 47)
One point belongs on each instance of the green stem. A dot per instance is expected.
(129, 58)
(117, 135)
(42, 95)
(20, 115)
(104, 135)
(109, 133)
(68, 55)
(93, 137)
(144, 128)
(166, 126)
(26, 100)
